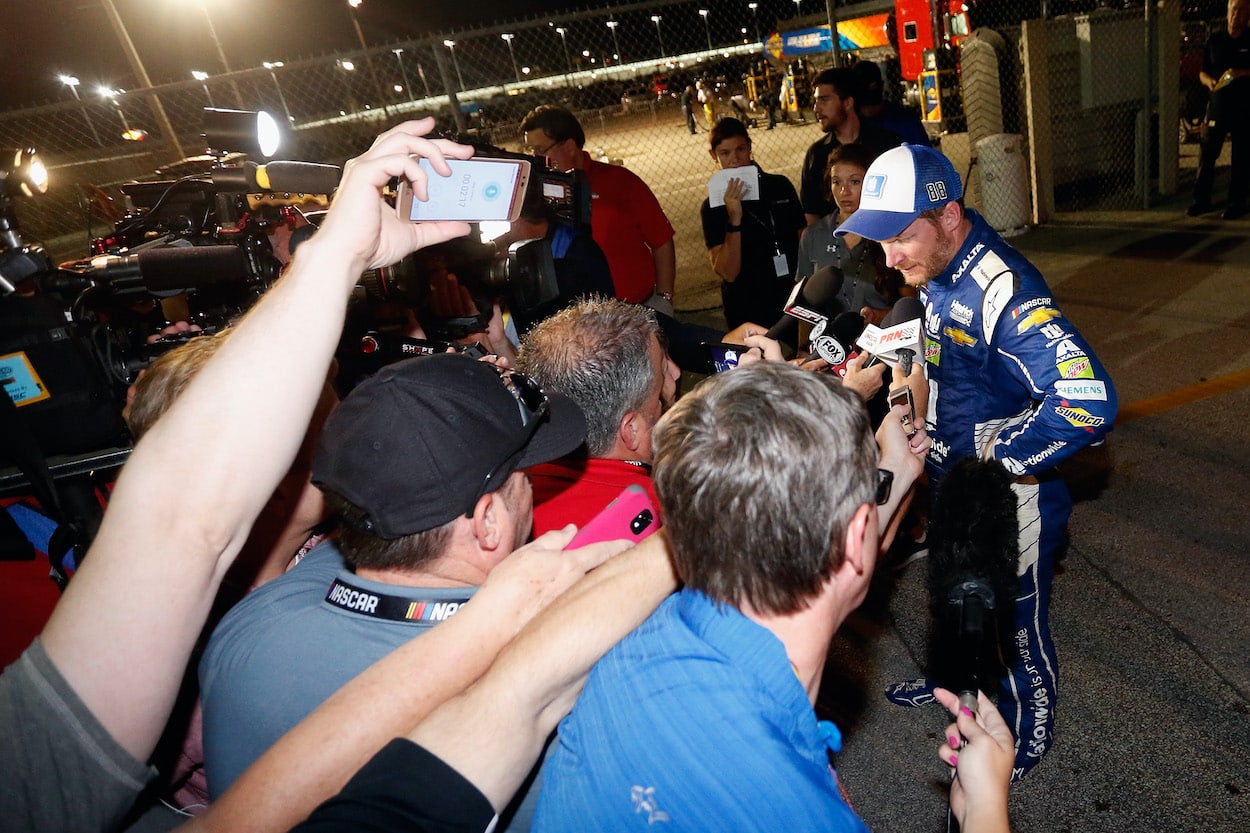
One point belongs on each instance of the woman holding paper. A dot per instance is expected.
(869, 287)
(751, 225)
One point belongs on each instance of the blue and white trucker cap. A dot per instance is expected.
(899, 184)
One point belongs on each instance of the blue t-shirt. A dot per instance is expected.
(284, 649)
(695, 720)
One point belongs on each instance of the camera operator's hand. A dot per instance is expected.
(363, 223)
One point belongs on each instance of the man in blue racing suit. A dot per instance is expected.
(1010, 378)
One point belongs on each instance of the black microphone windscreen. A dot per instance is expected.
(822, 286)
(299, 177)
(175, 268)
(847, 327)
(972, 581)
(904, 309)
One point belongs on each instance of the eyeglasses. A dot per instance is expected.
(546, 150)
(534, 406)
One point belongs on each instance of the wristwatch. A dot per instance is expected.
(733, 228)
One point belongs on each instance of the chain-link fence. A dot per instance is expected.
(1083, 94)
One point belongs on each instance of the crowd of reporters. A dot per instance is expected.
(436, 472)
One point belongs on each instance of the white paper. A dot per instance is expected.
(750, 176)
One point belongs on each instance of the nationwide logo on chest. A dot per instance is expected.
(1079, 417)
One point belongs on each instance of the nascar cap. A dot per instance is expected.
(899, 185)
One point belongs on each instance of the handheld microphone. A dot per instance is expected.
(898, 339)
(814, 298)
(834, 340)
(168, 269)
(973, 552)
(284, 177)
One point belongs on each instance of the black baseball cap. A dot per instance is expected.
(414, 444)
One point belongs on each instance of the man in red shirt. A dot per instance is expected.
(608, 357)
(626, 219)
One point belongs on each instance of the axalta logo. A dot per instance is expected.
(1039, 316)
(1079, 417)
(1067, 349)
(353, 599)
(1028, 305)
(967, 261)
(961, 313)
(1078, 368)
(959, 336)
(1070, 389)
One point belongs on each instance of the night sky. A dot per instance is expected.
(40, 39)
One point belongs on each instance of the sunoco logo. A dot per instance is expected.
(1079, 417)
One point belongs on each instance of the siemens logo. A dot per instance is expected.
(1077, 389)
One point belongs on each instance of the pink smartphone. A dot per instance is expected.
(631, 516)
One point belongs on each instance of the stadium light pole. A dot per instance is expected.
(202, 76)
(271, 66)
(403, 73)
(755, 18)
(655, 18)
(72, 82)
(568, 63)
(221, 53)
(379, 90)
(612, 24)
(451, 44)
(507, 38)
(132, 56)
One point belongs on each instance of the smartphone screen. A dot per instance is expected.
(477, 190)
(722, 357)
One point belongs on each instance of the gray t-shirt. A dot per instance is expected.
(59, 768)
(284, 649)
(819, 248)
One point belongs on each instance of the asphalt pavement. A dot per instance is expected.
(1151, 606)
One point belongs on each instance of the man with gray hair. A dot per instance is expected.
(703, 717)
(608, 357)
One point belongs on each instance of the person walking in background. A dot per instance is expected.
(687, 108)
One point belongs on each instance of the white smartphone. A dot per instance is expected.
(477, 190)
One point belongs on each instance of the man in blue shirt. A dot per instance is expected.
(703, 717)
